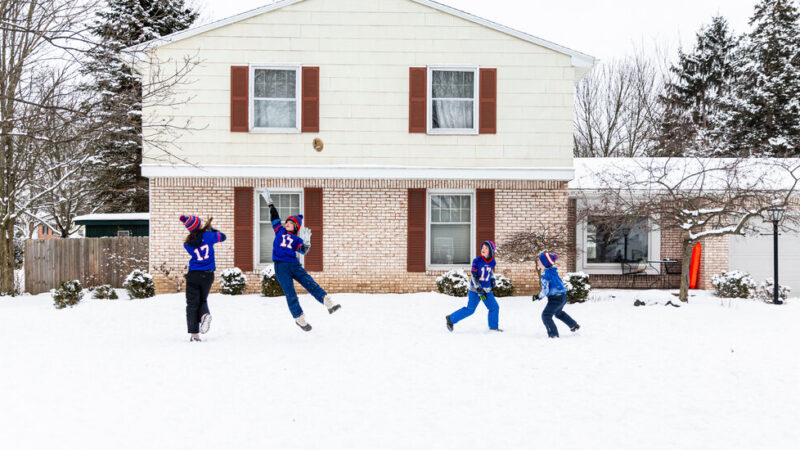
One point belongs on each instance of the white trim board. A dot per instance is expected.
(356, 172)
(578, 59)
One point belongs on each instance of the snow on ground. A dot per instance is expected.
(384, 373)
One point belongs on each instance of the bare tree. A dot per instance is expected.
(527, 245)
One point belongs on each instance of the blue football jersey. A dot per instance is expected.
(203, 254)
(483, 271)
(286, 245)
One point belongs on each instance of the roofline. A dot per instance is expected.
(578, 59)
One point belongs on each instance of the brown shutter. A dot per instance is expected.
(310, 100)
(488, 102)
(484, 227)
(416, 230)
(243, 228)
(312, 219)
(240, 106)
(418, 100)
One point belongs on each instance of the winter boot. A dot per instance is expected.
(575, 328)
(499, 330)
(205, 323)
(195, 339)
(449, 324)
(301, 322)
(328, 302)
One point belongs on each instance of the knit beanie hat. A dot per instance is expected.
(492, 246)
(548, 259)
(190, 222)
(298, 220)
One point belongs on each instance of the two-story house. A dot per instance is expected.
(405, 131)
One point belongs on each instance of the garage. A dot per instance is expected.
(754, 254)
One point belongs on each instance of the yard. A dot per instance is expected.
(385, 373)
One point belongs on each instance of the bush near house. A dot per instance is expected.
(578, 287)
(454, 283)
(733, 284)
(69, 293)
(503, 286)
(765, 291)
(233, 282)
(104, 292)
(269, 283)
(139, 284)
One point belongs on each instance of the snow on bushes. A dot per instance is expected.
(765, 291)
(104, 292)
(733, 284)
(578, 287)
(269, 283)
(454, 283)
(69, 293)
(503, 286)
(233, 282)
(139, 284)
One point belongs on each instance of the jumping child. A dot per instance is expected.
(200, 245)
(287, 267)
(553, 289)
(480, 289)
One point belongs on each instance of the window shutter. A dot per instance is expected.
(243, 228)
(488, 101)
(418, 100)
(416, 230)
(240, 105)
(484, 226)
(312, 219)
(310, 96)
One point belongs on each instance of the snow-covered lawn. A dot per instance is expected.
(384, 373)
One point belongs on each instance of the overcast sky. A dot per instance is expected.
(604, 29)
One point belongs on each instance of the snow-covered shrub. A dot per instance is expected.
(578, 287)
(765, 291)
(454, 283)
(104, 292)
(233, 282)
(733, 284)
(503, 286)
(69, 293)
(139, 284)
(269, 283)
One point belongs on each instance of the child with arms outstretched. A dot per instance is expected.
(480, 289)
(556, 294)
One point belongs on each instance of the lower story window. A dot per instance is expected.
(287, 204)
(614, 240)
(451, 229)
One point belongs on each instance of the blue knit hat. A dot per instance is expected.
(298, 220)
(492, 247)
(548, 259)
(191, 222)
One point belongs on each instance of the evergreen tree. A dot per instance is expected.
(764, 116)
(692, 100)
(122, 24)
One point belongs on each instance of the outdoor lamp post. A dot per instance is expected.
(775, 214)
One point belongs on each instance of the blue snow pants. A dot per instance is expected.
(474, 299)
(555, 307)
(286, 273)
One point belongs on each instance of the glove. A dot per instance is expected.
(535, 297)
(265, 195)
(305, 248)
(482, 297)
(305, 235)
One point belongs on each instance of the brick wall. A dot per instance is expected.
(365, 223)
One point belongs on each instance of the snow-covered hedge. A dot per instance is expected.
(454, 283)
(69, 293)
(733, 284)
(503, 286)
(139, 284)
(269, 283)
(233, 282)
(578, 287)
(104, 292)
(765, 291)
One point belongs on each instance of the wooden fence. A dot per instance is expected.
(93, 261)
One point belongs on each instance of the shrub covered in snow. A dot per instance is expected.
(578, 287)
(233, 282)
(104, 292)
(69, 293)
(454, 283)
(733, 284)
(765, 291)
(139, 284)
(269, 283)
(503, 286)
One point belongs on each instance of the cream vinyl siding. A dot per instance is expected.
(364, 50)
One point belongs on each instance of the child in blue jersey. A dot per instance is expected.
(285, 247)
(556, 294)
(480, 289)
(200, 245)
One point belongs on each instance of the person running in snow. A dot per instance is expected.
(556, 294)
(287, 267)
(480, 289)
(200, 245)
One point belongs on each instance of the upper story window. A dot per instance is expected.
(453, 100)
(275, 104)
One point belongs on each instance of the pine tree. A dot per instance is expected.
(765, 105)
(120, 25)
(692, 101)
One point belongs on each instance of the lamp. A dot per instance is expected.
(774, 215)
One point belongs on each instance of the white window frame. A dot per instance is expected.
(257, 226)
(653, 250)
(476, 100)
(472, 232)
(297, 95)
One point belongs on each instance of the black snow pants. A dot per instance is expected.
(198, 285)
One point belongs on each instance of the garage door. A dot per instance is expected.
(754, 254)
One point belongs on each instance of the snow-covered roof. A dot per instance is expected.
(578, 59)
(112, 217)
